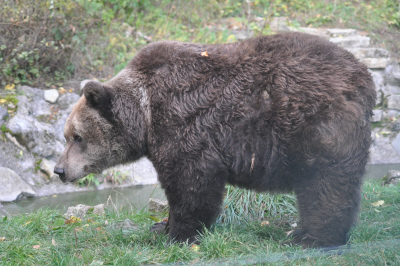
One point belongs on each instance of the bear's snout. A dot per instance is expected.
(60, 172)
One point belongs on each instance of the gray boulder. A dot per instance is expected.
(393, 102)
(67, 101)
(156, 205)
(12, 186)
(392, 177)
(81, 211)
(37, 137)
(393, 74)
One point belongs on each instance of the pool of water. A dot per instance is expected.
(133, 197)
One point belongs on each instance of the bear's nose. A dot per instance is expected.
(60, 172)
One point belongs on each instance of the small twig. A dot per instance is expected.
(76, 239)
(147, 38)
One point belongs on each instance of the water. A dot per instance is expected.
(133, 197)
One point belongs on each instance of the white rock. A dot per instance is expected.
(12, 186)
(375, 63)
(47, 167)
(51, 95)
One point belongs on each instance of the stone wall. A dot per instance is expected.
(34, 139)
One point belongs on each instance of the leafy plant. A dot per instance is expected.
(89, 180)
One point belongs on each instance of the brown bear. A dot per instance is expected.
(281, 113)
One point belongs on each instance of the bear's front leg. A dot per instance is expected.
(194, 204)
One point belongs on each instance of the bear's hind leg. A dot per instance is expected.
(328, 203)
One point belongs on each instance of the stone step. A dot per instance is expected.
(375, 63)
(360, 52)
(351, 41)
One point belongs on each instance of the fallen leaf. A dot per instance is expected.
(264, 223)
(9, 87)
(27, 223)
(2, 100)
(376, 210)
(204, 53)
(73, 220)
(195, 247)
(54, 196)
(288, 233)
(2, 238)
(36, 246)
(378, 203)
(53, 242)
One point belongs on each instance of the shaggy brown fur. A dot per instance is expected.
(288, 112)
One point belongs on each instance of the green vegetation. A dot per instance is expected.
(45, 237)
(88, 180)
(45, 43)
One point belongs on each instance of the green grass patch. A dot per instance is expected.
(45, 237)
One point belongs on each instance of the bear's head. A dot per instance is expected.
(104, 129)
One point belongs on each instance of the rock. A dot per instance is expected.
(37, 137)
(156, 205)
(396, 143)
(126, 226)
(361, 53)
(392, 177)
(396, 125)
(140, 172)
(394, 102)
(390, 90)
(67, 101)
(242, 34)
(375, 63)
(341, 32)
(314, 31)
(36, 107)
(382, 151)
(377, 116)
(2, 211)
(351, 41)
(12, 186)
(3, 115)
(279, 24)
(47, 167)
(51, 95)
(393, 74)
(392, 114)
(81, 211)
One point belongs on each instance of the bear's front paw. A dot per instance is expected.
(159, 228)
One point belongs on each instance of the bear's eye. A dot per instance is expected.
(77, 138)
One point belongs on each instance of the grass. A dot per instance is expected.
(44, 238)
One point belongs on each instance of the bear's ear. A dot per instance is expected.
(96, 95)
